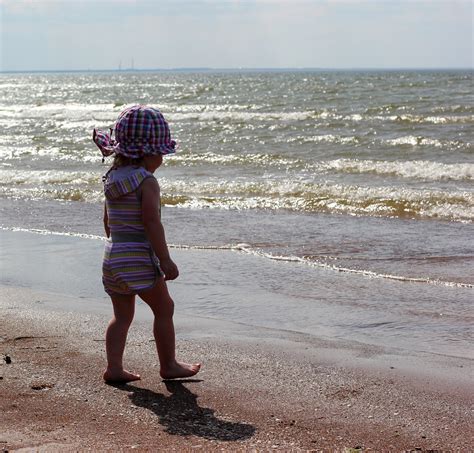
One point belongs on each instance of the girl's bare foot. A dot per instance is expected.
(180, 370)
(120, 376)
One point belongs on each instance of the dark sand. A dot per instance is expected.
(259, 389)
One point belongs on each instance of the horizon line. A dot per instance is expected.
(238, 69)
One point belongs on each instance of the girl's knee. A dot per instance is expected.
(124, 309)
(159, 299)
(127, 321)
(123, 322)
(171, 306)
(164, 308)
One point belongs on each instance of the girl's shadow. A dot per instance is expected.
(181, 415)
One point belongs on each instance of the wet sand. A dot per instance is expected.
(259, 389)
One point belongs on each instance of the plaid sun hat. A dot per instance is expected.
(139, 131)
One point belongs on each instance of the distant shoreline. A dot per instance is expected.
(229, 70)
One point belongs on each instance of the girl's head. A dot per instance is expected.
(141, 132)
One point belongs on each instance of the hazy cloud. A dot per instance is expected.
(89, 34)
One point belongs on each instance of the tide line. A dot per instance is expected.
(246, 248)
(54, 233)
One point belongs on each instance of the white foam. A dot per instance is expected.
(253, 159)
(54, 153)
(209, 116)
(362, 272)
(289, 193)
(304, 196)
(41, 177)
(434, 119)
(325, 138)
(247, 249)
(412, 140)
(418, 169)
(54, 233)
(52, 193)
(52, 108)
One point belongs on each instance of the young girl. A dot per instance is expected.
(136, 257)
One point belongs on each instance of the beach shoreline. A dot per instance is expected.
(250, 289)
(259, 389)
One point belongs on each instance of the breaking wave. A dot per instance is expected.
(417, 169)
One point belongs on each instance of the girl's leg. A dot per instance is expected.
(115, 338)
(159, 300)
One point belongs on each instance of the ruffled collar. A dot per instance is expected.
(124, 180)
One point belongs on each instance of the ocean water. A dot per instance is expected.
(361, 174)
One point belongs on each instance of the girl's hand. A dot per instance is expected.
(169, 268)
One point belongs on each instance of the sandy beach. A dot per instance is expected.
(259, 389)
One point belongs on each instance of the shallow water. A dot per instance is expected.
(242, 288)
(353, 190)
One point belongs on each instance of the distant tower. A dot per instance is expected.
(120, 65)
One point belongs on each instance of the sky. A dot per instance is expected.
(165, 34)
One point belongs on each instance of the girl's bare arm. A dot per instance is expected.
(106, 221)
(154, 230)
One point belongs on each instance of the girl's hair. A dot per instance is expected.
(123, 161)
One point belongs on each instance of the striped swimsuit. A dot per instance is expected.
(129, 264)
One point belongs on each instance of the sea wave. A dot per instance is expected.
(109, 110)
(54, 233)
(327, 115)
(66, 194)
(368, 206)
(408, 118)
(413, 140)
(104, 114)
(295, 194)
(326, 138)
(41, 177)
(39, 108)
(304, 196)
(457, 108)
(51, 185)
(240, 116)
(416, 169)
(362, 272)
(253, 159)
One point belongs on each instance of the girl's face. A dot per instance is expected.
(152, 162)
